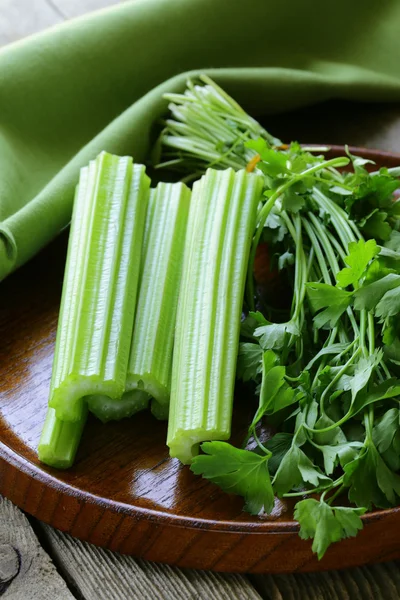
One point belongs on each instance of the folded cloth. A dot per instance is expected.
(97, 83)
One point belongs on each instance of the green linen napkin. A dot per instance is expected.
(96, 84)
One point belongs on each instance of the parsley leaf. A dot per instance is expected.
(362, 373)
(333, 349)
(389, 306)
(334, 300)
(295, 469)
(293, 201)
(391, 455)
(394, 241)
(247, 326)
(358, 162)
(377, 269)
(368, 296)
(384, 432)
(275, 393)
(326, 524)
(387, 389)
(273, 162)
(360, 254)
(332, 437)
(285, 260)
(392, 347)
(341, 453)
(272, 335)
(373, 196)
(275, 227)
(376, 226)
(279, 444)
(370, 480)
(239, 472)
(249, 361)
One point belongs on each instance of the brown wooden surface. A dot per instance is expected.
(124, 492)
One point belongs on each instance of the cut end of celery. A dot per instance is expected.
(70, 397)
(185, 445)
(147, 383)
(60, 440)
(100, 284)
(48, 457)
(106, 409)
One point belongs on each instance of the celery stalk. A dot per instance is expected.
(107, 409)
(60, 439)
(150, 361)
(100, 284)
(221, 224)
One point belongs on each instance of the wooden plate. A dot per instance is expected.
(124, 492)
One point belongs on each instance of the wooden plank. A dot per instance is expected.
(376, 582)
(76, 8)
(99, 574)
(26, 571)
(19, 18)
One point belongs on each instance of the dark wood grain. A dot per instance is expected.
(124, 492)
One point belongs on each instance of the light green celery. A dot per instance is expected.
(100, 284)
(60, 440)
(221, 224)
(107, 409)
(150, 361)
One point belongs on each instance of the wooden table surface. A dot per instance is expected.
(40, 563)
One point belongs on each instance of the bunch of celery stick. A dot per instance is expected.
(133, 252)
(277, 269)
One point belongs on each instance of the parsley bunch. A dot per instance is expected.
(325, 368)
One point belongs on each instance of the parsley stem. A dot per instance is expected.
(333, 263)
(393, 171)
(371, 416)
(315, 247)
(346, 230)
(318, 251)
(239, 140)
(300, 280)
(363, 314)
(363, 328)
(368, 422)
(267, 452)
(331, 427)
(289, 225)
(349, 347)
(316, 490)
(266, 209)
(301, 272)
(385, 369)
(336, 494)
(330, 254)
(338, 247)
